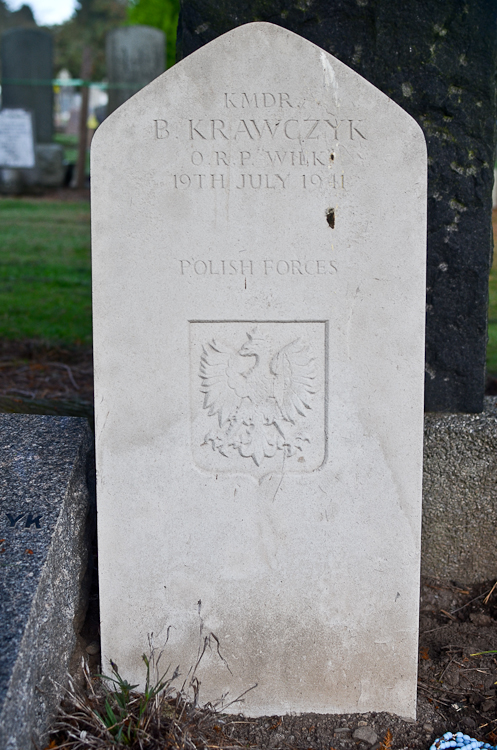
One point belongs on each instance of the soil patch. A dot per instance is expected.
(40, 379)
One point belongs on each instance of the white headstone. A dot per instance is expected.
(16, 139)
(259, 301)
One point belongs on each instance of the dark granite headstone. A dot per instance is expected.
(50, 164)
(27, 70)
(437, 61)
(44, 506)
(134, 55)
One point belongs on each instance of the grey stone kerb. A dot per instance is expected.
(460, 495)
(43, 559)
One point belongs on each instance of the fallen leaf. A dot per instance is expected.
(387, 741)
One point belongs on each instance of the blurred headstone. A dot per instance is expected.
(72, 127)
(135, 55)
(50, 164)
(64, 99)
(17, 150)
(27, 72)
(85, 73)
(100, 113)
(97, 102)
(16, 139)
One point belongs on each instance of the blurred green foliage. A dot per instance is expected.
(92, 21)
(88, 27)
(45, 276)
(162, 14)
(70, 145)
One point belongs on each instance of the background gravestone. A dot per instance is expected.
(44, 543)
(17, 148)
(27, 72)
(50, 164)
(135, 55)
(259, 242)
(438, 61)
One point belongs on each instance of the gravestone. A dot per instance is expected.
(43, 557)
(259, 294)
(437, 61)
(50, 164)
(17, 151)
(16, 139)
(134, 55)
(27, 72)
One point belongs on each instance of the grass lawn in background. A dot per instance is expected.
(45, 275)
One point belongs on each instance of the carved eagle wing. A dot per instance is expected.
(295, 379)
(223, 387)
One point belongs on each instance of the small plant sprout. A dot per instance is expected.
(108, 712)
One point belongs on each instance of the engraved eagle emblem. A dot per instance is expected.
(259, 396)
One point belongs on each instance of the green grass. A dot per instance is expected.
(70, 144)
(45, 276)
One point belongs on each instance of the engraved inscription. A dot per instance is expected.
(291, 129)
(283, 117)
(267, 267)
(260, 100)
(253, 181)
(260, 397)
(262, 141)
(24, 520)
(263, 158)
(252, 129)
(161, 130)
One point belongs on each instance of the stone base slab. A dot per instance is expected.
(460, 495)
(44, 507)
